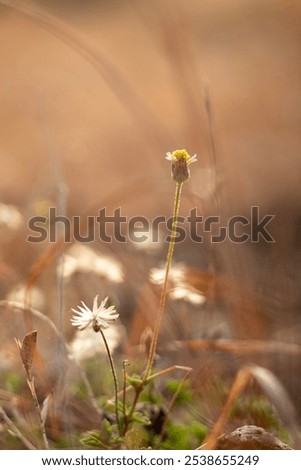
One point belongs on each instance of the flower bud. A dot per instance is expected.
(180, 160)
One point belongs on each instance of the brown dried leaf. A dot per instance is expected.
(27, 350)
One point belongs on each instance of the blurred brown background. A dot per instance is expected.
(93, 94)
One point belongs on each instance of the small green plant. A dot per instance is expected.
(152, 425)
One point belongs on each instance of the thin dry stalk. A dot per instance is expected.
(62, 201)
(14, 430)
(161, 373)
(241, 347)
(114, 375)
(124, 365)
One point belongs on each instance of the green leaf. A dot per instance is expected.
(140, 418)
(135, 382)
(93, 439)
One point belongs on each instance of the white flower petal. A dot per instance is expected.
(171, 157)
(85, 307)
(95, 303)
(192, 159)
(103, 303)
(81, 311)
(80, 323)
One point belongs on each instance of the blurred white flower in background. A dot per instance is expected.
(180, 289)
(86, 344)
(80, 258)
(10, 216)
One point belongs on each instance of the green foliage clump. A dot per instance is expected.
(256, 409)
(183, 437)
(13, 382)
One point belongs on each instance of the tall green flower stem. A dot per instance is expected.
(114, 379)
(152, 352)
(171, 247)
(180, 161)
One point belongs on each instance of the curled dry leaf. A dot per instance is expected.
(45, 407)
(27, 350)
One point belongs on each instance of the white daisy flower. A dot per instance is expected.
(98, 318)
(175, 156)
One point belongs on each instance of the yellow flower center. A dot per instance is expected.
(179, 154)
